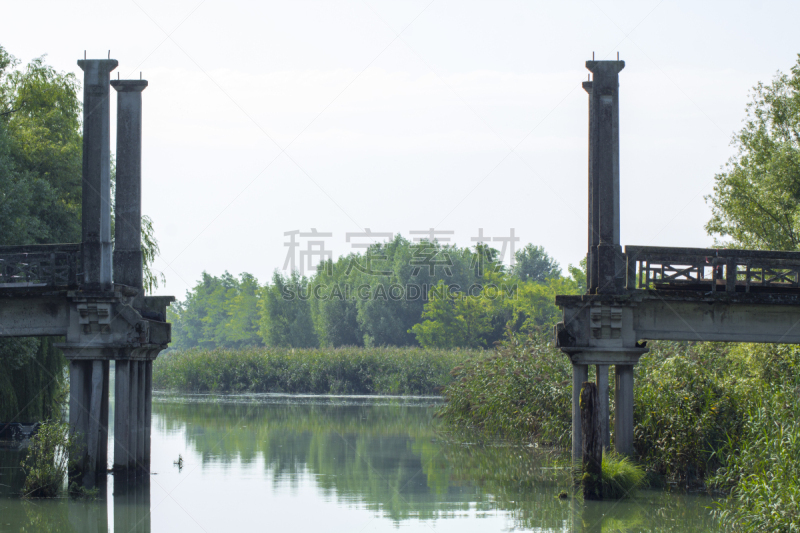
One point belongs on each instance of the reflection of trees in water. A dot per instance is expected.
(392, 459)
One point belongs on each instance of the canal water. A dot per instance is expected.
(337, 464)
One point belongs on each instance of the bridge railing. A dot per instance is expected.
(711, 269)
(40, 265)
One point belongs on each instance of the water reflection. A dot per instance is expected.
(390, 457)
(337, 464)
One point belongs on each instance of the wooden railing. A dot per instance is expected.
(710, 269)
(40, 265)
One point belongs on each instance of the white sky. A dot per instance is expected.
(266, 117)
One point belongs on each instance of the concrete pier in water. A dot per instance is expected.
(652, 293)
(93, 296)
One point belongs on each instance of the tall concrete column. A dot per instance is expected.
(602, 395)
(128, 196)
(580, 373)
(623, 409)
(594, 210)
(122, 411)
(96, 174)
(133, 435)
(604, 173)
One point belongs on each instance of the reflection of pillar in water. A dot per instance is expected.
(87, 515)
(131, 503)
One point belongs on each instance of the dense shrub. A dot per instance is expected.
(688, 408)
(322, 371)
(521, 391)
(47, 460)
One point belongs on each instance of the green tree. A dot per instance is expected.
(533, 264)
(756, 199)
(286, 313)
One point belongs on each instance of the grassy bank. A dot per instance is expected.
(717, 415)
(320, 371)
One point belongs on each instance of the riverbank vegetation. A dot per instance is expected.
(318, 371)
(713, 415)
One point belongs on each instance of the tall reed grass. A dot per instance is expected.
(320, 371)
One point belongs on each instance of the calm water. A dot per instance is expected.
(336, 464)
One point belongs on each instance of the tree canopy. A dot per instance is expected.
(756, 199)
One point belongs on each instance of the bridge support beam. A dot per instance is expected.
(122, 418)
(88, 415)
(623, 409)
(580, 373)
(601, 372)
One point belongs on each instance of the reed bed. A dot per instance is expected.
(317, 371)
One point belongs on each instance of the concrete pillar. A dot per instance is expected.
(604, 173)
(623, 415)
(580, 373)
(602, 397)
(128, 195)
(594, 211)
(96, 174)
(122, 398)
(133, 435)
(95, 403)
(102, 453)
(140, 422)
(148, 413)
(79, 400)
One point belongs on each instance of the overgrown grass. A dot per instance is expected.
(621, 476)
(320, 371)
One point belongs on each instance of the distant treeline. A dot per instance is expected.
(395, 293)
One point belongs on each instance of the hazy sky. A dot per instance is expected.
(266, 117)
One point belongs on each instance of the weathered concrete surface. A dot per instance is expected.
(601, 372)
(96, 177)
(604, 175)
(133, 414)
(79, 401)
(580, 373)
(148, 413)
(128, 194)
(34, 314)
(623, 409)
(140, 414)
(732, 317)
(122, 381)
